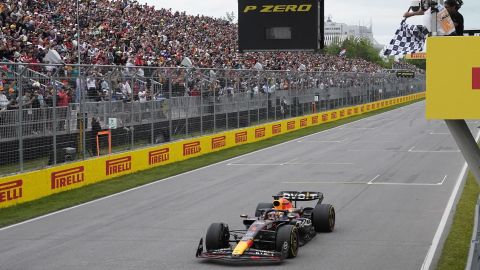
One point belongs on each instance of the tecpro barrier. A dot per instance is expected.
(30, 186)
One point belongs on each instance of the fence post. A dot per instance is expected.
(170, 98)
(20, 120)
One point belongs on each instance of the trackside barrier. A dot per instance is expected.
(473, 262)
(30, 186)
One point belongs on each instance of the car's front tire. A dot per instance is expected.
(218, 236)
(287, 234)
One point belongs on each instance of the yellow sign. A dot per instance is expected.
(416, 56)
(452, 78)
(30, 186)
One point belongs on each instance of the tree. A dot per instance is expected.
(230, 16)
(359, 48)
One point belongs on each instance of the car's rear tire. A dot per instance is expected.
(287, 234)
(218, 236)
(260, 206)
(323, 218)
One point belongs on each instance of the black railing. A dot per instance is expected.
(472, 32)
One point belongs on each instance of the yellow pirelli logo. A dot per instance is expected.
(278, 8)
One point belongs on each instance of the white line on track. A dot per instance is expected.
(375, 178)
(193, 171)
(427, 263)
(314, 141)
(371, 182)
(439, 133)
(432, 151)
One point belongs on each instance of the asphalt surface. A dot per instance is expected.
(389, 177)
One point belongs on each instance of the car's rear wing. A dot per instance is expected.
(297, 196)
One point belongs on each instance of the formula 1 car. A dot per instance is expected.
(274, 234)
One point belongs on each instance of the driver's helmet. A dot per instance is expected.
(282, 204)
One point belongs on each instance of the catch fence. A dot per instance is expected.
(54, 113)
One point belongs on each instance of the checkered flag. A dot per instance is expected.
(408, 39)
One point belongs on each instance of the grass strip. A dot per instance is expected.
(56, 202)
(455, 251)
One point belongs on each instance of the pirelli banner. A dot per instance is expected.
(265, 25)
(30, 186)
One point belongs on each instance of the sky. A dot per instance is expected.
(385, 15)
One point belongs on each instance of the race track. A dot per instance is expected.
(390, 178)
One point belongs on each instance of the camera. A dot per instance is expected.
(422, 4)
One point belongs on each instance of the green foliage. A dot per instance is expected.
(359, 48)
(419, 63)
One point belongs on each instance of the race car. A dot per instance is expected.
(274, 234)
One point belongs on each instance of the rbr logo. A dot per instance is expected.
(67, 178)
(219, 142)
(11, 191)
(158, 156)
(476, 78)
(118, 165)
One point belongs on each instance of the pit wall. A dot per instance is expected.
(33, 185)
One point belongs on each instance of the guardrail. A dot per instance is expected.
(473, 262)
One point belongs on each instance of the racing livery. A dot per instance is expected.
(274, 234)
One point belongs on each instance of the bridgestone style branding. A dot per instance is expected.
(158, 156)
(276, 129)
(291, 125)
(66, 178)
(304, 122)
(191, 148)
(118, 165)
(241, 137)
(219, 142)
(11, 191)
(315, 120)
(260, 133)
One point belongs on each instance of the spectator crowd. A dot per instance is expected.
(129, 34)
(125, 32)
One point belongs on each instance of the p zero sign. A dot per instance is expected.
(271, 25)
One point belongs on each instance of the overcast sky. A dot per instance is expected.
(385, 15)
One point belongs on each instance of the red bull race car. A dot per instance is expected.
(275, 233)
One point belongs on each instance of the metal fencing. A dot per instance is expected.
(53, 114)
